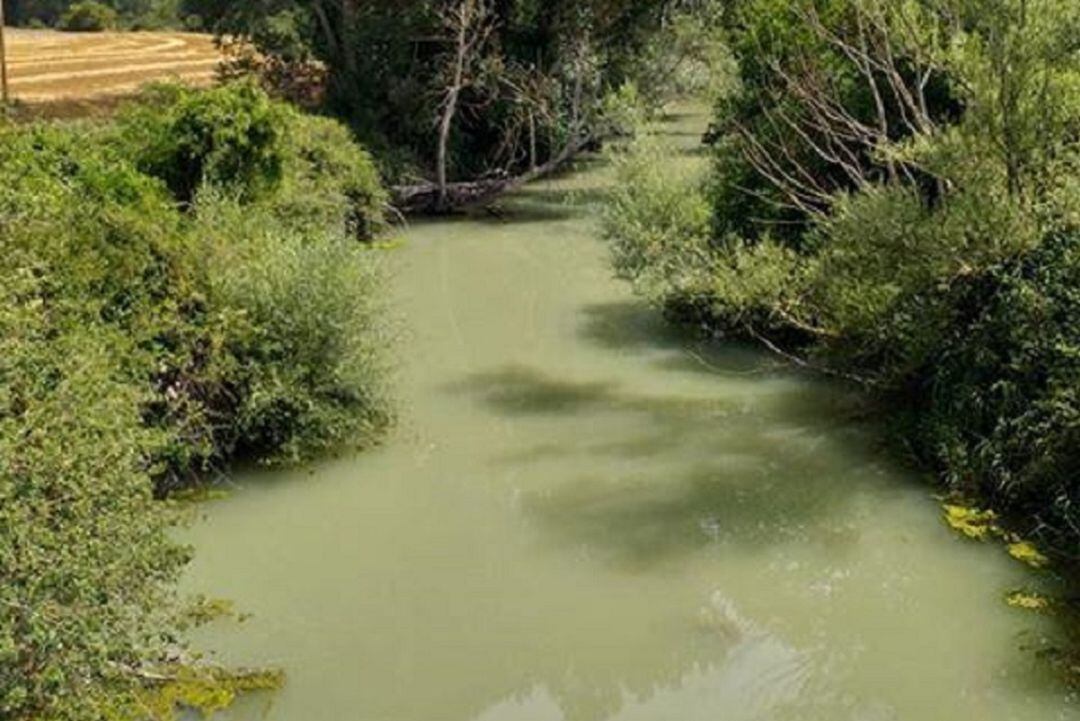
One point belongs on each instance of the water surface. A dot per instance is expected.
(587, 516)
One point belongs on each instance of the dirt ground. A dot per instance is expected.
(73, 72)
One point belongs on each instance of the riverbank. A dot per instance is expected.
(183, 287)
(925, 246)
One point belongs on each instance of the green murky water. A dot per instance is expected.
(585, 516)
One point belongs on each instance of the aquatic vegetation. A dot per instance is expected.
(1028, 601)
(202, 610)
(971, 522)
(981, 525)
(204, 690)
(1026, 552)
(199, 494)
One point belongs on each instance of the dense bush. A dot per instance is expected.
(657, 223)
(307, 336)
(328, 180)
(232, 136)
(999, 404)
(305, 170)
(83, 552)
(911, 223)
(143, 343)
(88, 16)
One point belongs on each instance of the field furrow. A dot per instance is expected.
(46, 66)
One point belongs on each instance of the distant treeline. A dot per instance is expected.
(129, 14)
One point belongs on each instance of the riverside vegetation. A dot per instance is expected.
(894, 199)
(186, 285)
(181, 287)
(98, 15)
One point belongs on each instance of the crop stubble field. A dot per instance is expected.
(47, 67)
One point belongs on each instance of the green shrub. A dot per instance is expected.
(140, 347)
(883, 249)
(307, 171)
(85, 559)
(657, 221)
(309, 336)
(329, 181)
(87, 565)
(231, 136)
(89, 16)
(998, 407)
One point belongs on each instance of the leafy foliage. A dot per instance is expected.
(328, 180)
(96, 14)
(88, 16)
(537, 76)
(231, 136)
(928, 249)
(657, 224)
(307, 338)
(142, 345)
(86, 563)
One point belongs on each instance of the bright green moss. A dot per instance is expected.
(202, 690)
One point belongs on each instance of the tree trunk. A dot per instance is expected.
(348, 35)
(4, 94)
(446, 122)
(532, 140)
(435, 198)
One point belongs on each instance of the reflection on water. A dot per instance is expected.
(587, 516)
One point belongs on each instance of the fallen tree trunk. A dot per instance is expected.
(427, 198)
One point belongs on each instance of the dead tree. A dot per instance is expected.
(426, 198)
(808, 119)
(469, 24)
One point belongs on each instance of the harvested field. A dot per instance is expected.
(73, 70)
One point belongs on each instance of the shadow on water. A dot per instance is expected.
(691, 470)
(698, 151)
(642, 523)
(678, 116)
(525, 212)
(628, 325)
(749, 462)
(578, 196)
(521, 391)
(690, 135)
(634, 326)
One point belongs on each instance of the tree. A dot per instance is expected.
(468, 24)
(508, 85)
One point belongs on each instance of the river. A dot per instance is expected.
(585, 515)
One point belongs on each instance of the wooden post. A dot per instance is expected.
(4, 95)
